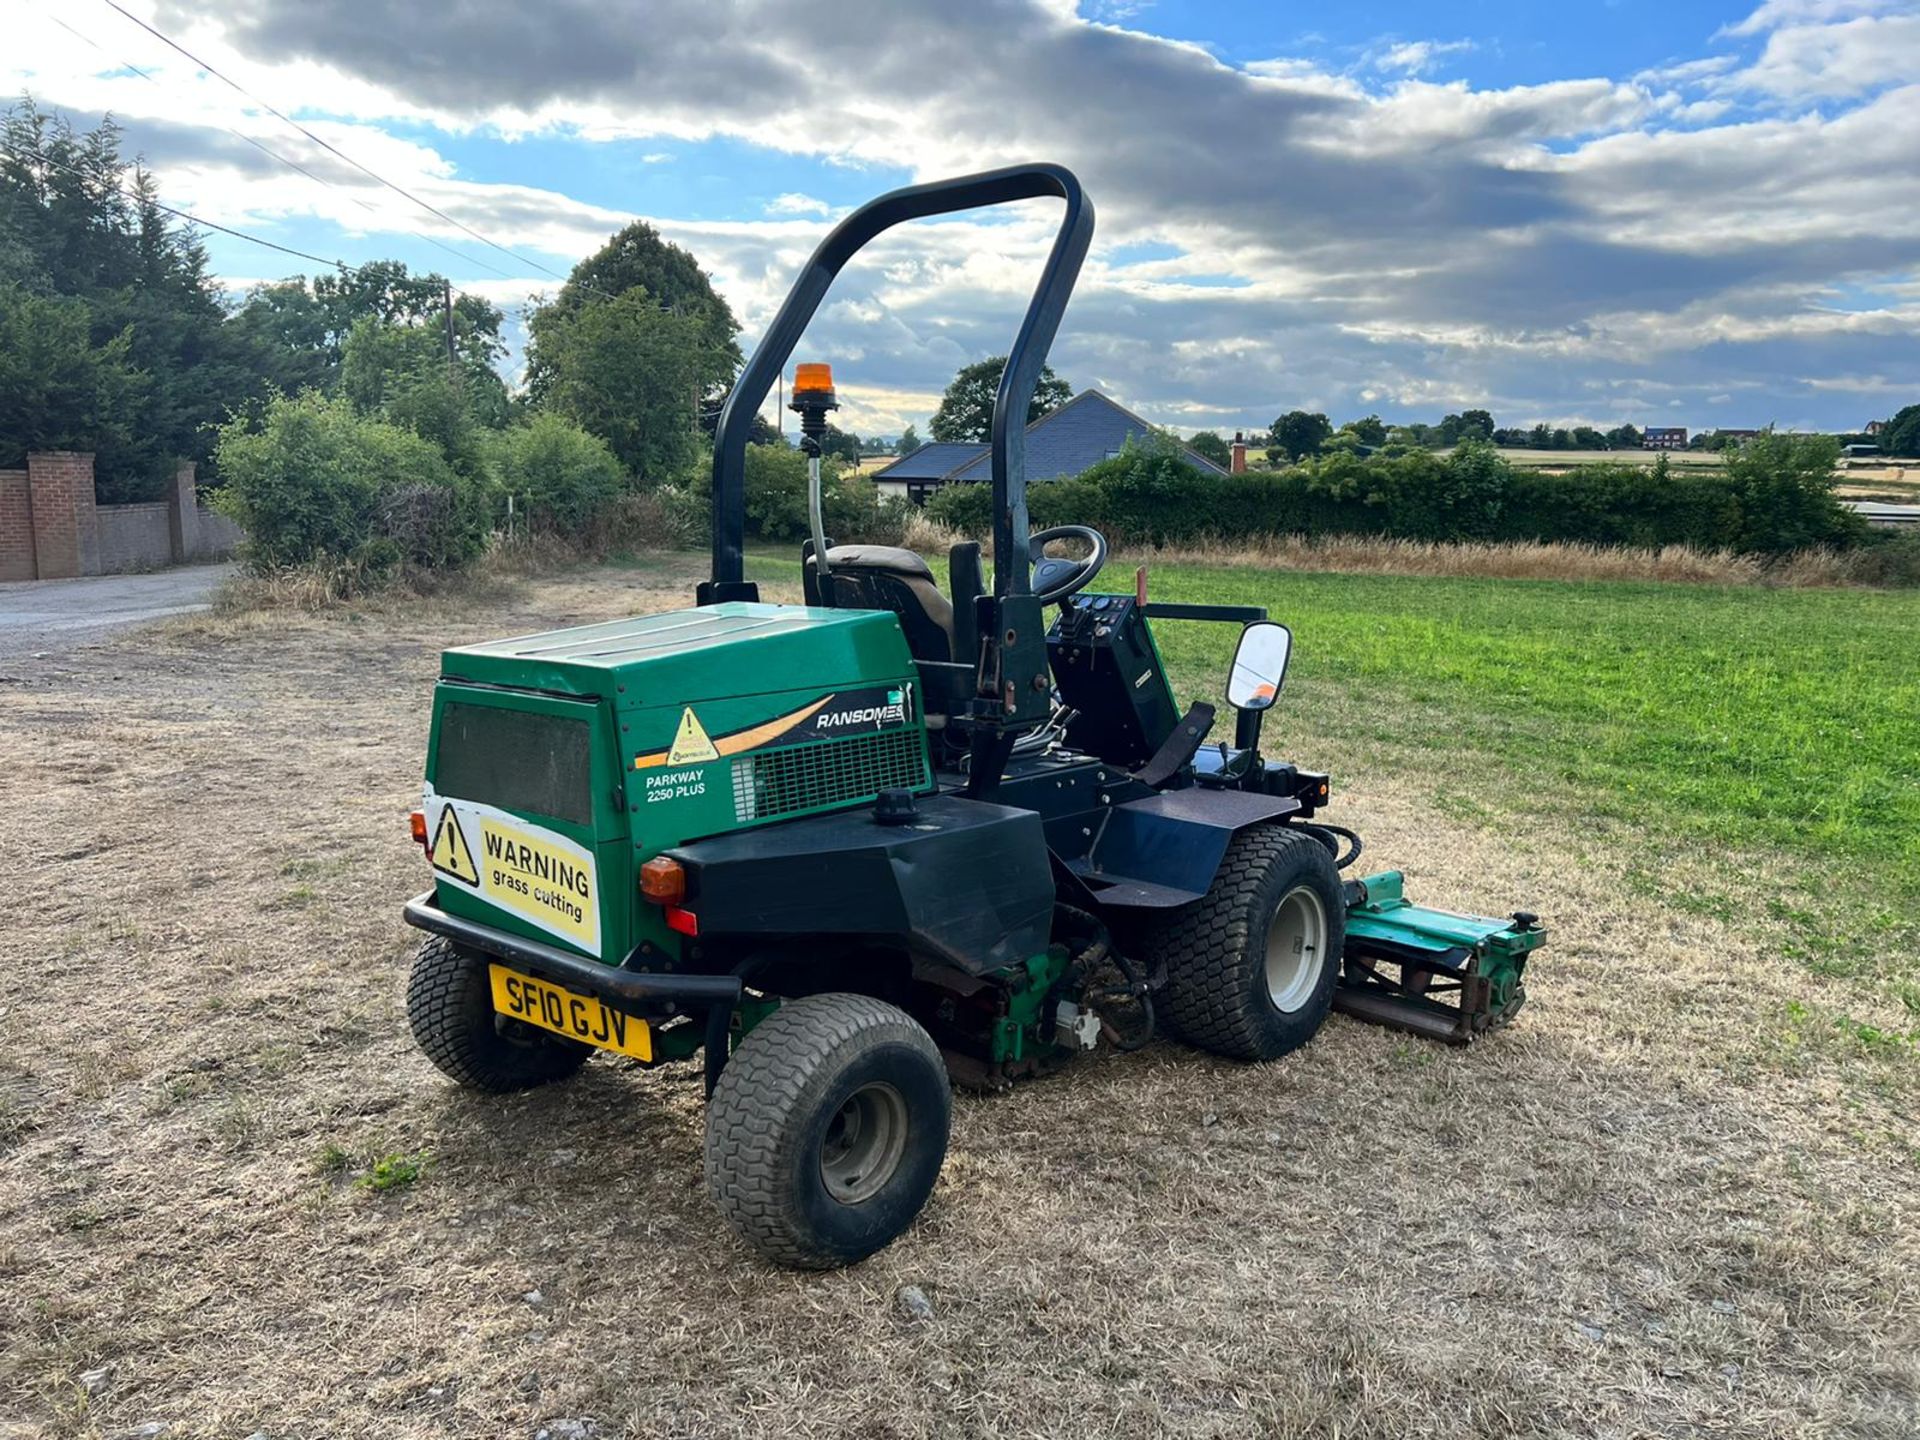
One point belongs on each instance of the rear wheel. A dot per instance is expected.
(827, 1130)
(1252, 967)
(450, 1007)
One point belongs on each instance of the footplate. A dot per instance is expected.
(1431, 972)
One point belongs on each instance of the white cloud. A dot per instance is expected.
(793, 203)
(1416, 57)
(1774, 14)
(1847, 58)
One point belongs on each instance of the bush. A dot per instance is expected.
(1785, 487)
(563, 479)
(1887, 558)
(313, 480)
(776, 475)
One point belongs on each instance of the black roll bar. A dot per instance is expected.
(1012, 568)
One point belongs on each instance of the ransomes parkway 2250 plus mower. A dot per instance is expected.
(860, 848)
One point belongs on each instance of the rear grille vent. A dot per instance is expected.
(793, 778)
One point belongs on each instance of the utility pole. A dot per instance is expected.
(453, 365)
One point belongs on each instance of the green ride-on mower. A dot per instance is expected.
(860, 849)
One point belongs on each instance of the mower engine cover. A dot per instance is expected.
(559, 763)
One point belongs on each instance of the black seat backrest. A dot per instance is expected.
(884, 577)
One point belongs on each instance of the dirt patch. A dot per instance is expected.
(1664, 1203)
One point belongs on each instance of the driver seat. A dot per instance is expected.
(886, 577)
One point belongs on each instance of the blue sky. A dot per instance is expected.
(1664, 213)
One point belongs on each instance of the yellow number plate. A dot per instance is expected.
(578, 1017)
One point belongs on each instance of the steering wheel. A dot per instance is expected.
(1054, 578)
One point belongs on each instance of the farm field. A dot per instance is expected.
(1677, 1197)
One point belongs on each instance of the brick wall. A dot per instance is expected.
(219, 536)
(50, 528)
(16, 527)
(134, 537)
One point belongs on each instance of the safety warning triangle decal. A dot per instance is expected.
(450, 853)
(690, 743)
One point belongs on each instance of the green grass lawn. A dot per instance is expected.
(1720, 722)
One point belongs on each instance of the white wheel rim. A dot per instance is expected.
(864, 1143)
(1296, 949)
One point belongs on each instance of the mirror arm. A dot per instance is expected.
(1246, 730)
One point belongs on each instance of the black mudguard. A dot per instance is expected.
(1164, 850)
(964, 883)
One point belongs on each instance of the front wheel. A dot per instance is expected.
(1252, 967)
(827, 1130)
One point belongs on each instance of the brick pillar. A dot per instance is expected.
(66, 534)
(1238, 464)
(183, 514)
(16, 528)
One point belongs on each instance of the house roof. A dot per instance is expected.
(1086, 430)
(930, 462)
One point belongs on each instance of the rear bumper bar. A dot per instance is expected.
(576, 972)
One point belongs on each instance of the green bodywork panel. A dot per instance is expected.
(1498, 947)
(703, 721)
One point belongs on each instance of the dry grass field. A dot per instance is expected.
(1660, 1205)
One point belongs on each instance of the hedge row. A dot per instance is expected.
(1775, 495)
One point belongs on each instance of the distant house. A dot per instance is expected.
(1664, 437)
(1874, 427)
(918, 474)
(1086, 430)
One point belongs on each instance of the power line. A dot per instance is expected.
(331, 149)
(268, 150)
(341, 265)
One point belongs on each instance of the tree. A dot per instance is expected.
(301, 327)
(843, 444)
(909, 442)
(1300, 433)
(633, 374)
(1901, 434)
(1624, 437)
(1785, 485)
(79, 222)
(966, 409)
(1476, 423)
(1585, 437)
(1211, 445)
(58, 390)
(637, 259)
(1369, 431)
(400, 373)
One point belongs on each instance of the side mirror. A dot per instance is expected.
(1259, 666)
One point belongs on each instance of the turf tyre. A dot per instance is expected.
(778, 1114)
(1218, 995)
(450, 1009)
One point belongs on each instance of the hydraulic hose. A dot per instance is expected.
(816, 516)
(1100, 950)
(1330, 836)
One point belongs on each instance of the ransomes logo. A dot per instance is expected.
(864, 710)
(875, 715)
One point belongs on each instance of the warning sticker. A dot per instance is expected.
(541, 877)
(690, 743)
(451, 854)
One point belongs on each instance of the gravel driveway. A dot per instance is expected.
(57, 616)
